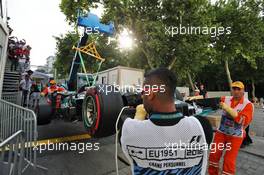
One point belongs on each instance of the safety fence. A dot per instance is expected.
(14, 118)
(18, 98)
(12, 154)
(12, 97)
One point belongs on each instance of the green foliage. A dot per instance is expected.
(247, 30)
(65, 54)
(71, 8)
(200, 55)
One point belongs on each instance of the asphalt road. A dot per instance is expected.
(88, 156)
(60, 128)
(80, 156)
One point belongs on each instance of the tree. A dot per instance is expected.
(64, 53)
(252, 75)
(242, 17)
(71, 8)
(150, 20)
(206, 57)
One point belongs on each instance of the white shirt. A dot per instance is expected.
(154, 149)
(25, 85)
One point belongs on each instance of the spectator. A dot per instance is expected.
(196, 92)
(203, 91)
(27, 65)
(196, 96)
(35, 93)
(29, 72)
(21, 59)
(12, 56)
(26, 51)
(18, 53)
(25, 86)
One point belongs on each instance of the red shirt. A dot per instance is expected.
(26, 52)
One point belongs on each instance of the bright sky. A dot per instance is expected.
(37, 21)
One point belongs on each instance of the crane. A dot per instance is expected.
(91, 23)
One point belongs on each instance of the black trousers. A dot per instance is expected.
(14, 63)
(24, 97)
(247, 140)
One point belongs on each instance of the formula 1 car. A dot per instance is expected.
(97, 105)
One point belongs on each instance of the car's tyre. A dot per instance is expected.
(43, 112)
(100, 110)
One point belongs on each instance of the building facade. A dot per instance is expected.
(4, 32)
(50, 62)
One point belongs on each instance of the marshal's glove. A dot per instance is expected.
(228, 109)
(192, 98)
(140, 112)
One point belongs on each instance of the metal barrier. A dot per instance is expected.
(17, 98)
(12, 97)
(14, 118)
(12, 154)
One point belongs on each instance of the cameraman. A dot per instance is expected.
(163, 144)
